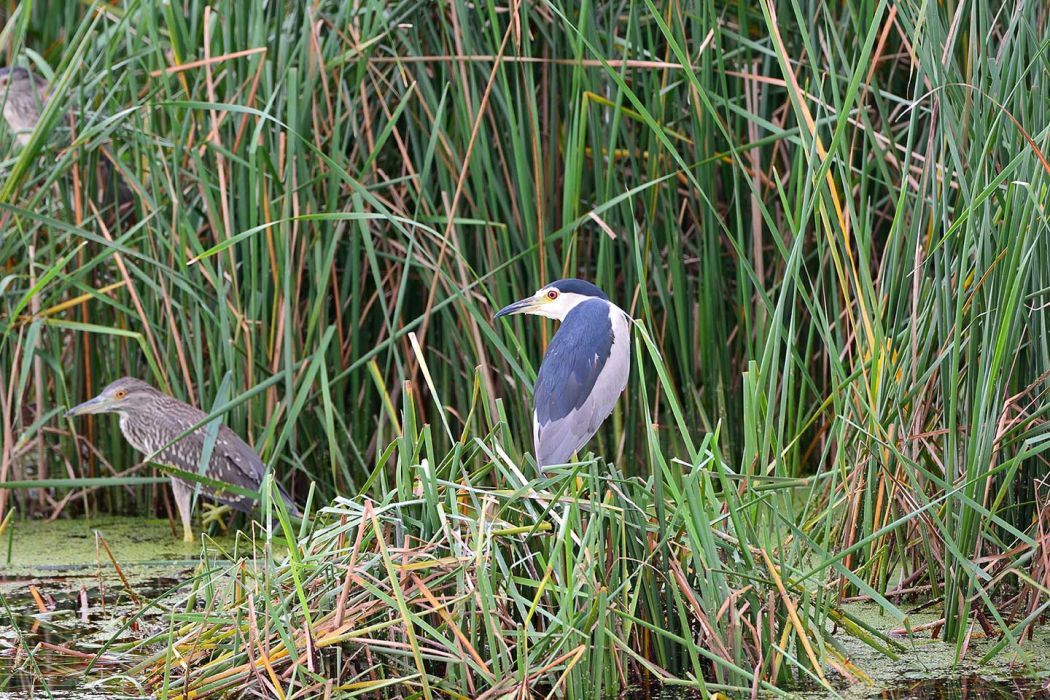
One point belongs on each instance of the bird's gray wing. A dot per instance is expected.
(568, 408)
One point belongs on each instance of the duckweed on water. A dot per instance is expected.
(927, 667)
(34, 548)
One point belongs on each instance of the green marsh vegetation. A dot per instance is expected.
(829, 220)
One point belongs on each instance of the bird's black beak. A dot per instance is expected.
(95, 405)
(518, 307)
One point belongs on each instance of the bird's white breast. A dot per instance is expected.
(618, 367)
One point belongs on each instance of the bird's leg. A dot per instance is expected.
(183, 493)
(214, 513)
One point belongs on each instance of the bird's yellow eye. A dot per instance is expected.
(552, 294)
(120, 393)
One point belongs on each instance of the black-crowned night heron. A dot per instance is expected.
(150, 420)
(24, 94)
(585, 369)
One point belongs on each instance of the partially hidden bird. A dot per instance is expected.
(584, 370)
(150, 420)
(24, 95)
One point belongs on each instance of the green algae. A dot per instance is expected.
(929, 667)
(50, 549)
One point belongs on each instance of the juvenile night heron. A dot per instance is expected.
(150, 420)
(585, 369)
(24, 95)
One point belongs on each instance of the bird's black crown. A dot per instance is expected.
(578, 286)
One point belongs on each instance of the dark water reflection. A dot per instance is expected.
(655, 692)
(966, 688)
(51, 670)
(970, 687)
(48, 671)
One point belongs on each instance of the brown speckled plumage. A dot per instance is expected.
(23, 95)
(150, 420)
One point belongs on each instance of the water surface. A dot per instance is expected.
(91, 578)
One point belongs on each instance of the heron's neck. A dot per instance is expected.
(134, 431)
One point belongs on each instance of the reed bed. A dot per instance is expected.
(575, 584)
(829, 221)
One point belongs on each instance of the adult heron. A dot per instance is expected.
(584, 370)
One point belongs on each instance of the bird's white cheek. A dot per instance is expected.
(558, 308)
(549, 311)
